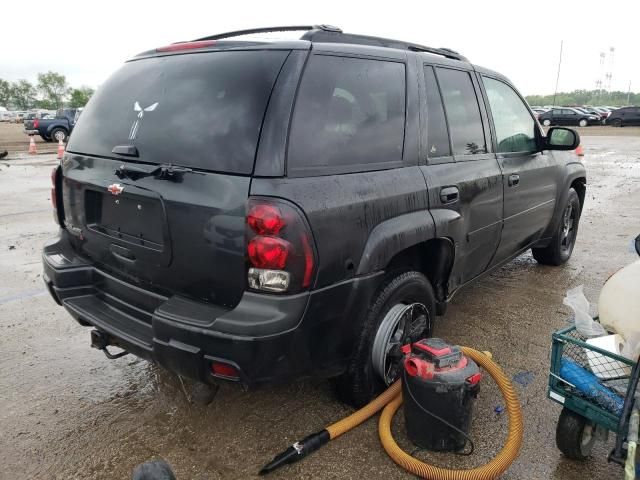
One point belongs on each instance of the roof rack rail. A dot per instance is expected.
(331, 34)
(295, 28)
(328, 36)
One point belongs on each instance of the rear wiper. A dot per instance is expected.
(162, 172)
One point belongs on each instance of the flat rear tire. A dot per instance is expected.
(363, 379)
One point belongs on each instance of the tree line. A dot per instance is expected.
(594, 98)
(51, 92)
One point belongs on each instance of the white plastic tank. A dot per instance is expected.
(619, 306)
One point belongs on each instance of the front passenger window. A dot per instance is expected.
(515, 127)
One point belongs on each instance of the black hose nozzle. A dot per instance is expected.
(297, 451)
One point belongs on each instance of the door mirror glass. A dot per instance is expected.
(559, 138)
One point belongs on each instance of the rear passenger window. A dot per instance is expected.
(349, 116)
(463, 112)
(437, 134)
(515, 127)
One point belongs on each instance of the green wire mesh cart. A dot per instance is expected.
(597, 391)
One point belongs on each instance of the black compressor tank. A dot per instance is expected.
(439, 385)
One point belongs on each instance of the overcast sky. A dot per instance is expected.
(87, 40)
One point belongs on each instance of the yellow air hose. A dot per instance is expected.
(390, 400)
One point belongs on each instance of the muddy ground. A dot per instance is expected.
(67, 412)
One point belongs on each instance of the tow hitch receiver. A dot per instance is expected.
(100, 341)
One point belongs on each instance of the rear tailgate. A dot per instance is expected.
(180, 232)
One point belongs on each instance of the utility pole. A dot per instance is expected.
(609, 73)
(629, 93)
(558, 76)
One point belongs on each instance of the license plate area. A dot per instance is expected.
(136, 219)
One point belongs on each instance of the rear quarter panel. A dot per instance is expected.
(344, 210)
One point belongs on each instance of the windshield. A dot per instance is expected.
(201, 110)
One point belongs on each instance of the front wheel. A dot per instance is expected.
(546, 122)
(561, 246)
(583, 122)
(575, 435)
(617, 122)
(400, 312)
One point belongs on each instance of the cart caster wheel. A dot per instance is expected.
(575, 435)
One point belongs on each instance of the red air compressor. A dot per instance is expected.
(439, 386)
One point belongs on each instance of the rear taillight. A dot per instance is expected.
(280, 253)
(54, 193)
(268, 252)
(36, 123)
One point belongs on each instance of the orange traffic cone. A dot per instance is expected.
(580, 151)
(32, 147)
(60, 149)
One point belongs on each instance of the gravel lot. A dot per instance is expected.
(67, 412)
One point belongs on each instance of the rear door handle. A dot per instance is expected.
(449, 194)
(514, 180)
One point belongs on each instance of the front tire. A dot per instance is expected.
(362, 381)
(546, 122)
(617, 122)
(561, 246)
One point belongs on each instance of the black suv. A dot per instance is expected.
(624, 116)
(259, 211)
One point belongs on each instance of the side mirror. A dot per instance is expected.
(638, 244)
(559, 138)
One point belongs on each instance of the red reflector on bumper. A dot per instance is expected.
(224, 370)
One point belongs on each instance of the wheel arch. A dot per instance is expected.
(580, 186)
(52, 128)
(433, 258)
(409, 241)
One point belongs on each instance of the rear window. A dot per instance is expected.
(463, 112)
(349, 116)
(200, 110)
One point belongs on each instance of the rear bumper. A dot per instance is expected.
(31, 132)
(268, 338)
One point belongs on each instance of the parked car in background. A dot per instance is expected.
(50, 129)
(583, 110)
(409, 173)
(568, 116)
(624, 116)
(8, 116)
(537, 111)
(18, 116)
(32, 115)
(604, 113)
